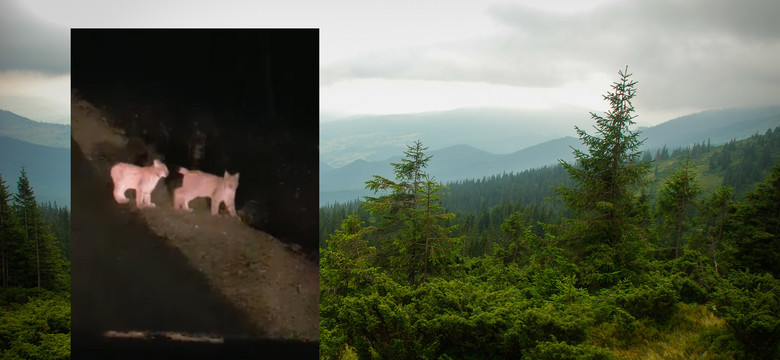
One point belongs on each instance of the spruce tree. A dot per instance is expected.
(46, 263)
(344, 263)
(403, 192)
(413, 237)
(715, 214)
(521, 239)
(27, 211)
(758, 235)
(606, 175)
(676, 201)
(4, 215)
(11, 253)
(437, 245)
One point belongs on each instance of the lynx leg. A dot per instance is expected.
(139, 199)
(148, 200)
(231, 209)
(215, 206)
(176, 199)
(143, 200)
(180, 201)
(119, 195)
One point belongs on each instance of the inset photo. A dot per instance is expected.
(195, 191)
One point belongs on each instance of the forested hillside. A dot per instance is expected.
(35, 285)
(48, 168)
(481, 205)
(620, 254)
(466, 160)
(34, 132)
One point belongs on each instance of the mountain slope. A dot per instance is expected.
(495, 130)
(40, 133)
(503, 131)
(718, 126)
(739, 164)
(48, 169)
(448, 164)
(467, 162)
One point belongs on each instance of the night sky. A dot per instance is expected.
(253, 92)
(267, 77)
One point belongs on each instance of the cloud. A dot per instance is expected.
(700, 54)
(29, 43)
(32, 83)
(36, 95)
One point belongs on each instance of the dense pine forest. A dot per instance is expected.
(623, 254)
(35, 286)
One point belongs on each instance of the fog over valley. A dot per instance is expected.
(474, 143)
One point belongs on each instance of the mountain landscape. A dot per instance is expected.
(34, 132)
(495, 130)
(43, 149)
(40, 108)
(717, 126)
(468, 160)
(631, 252)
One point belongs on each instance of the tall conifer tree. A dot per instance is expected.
(715, 214)
(411, 216)
(676, 202)
(46, 264)
(758, 236)
(10, 240)
(603, 198)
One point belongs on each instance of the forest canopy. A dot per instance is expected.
(627, 256)
(35, 286)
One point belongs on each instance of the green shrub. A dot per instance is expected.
(749, 303)
(656, 300)
(18, 295)
(689, 291)
(38, 329)
(558, 350)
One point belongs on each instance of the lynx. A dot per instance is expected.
(141, 179)
(197, 184)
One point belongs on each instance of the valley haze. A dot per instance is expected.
(474, 143)
(43, 149)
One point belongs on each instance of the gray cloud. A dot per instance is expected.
(704, 54)
(28, 43)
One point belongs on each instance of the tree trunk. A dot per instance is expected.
(681, 212)
(26, 233)
(679, 234)
(2, 254)
(427, 231)
(37, 252)
(716, 241)
(425, 267)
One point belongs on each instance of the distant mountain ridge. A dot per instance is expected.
(34, 132)
(503, 131)
(38, 108)
(48, 169)
(495, 130)
(467, 162)
(717, 126)
(43, 149)
(448, 164)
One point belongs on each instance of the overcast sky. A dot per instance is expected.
(411, 56)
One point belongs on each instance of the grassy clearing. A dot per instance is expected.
(689, 338)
